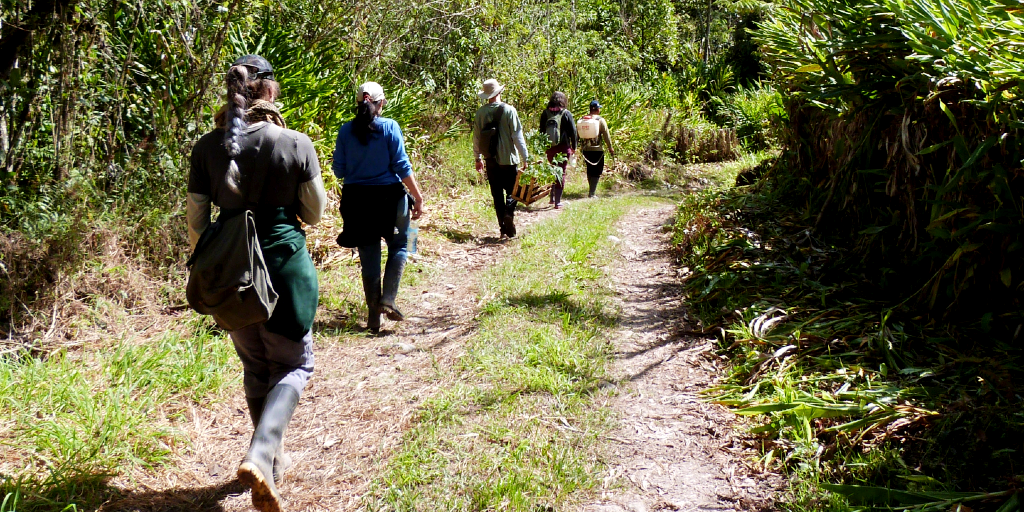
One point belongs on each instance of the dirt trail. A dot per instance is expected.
(353, 412)
(671, 451)
(366, 390)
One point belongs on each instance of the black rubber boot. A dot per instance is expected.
(391, 312)
(372, 293)
(510, 217)
(282, 461)
(510, 226)
(373, 315)
(266, 440)
(392, 278)
(501, 225)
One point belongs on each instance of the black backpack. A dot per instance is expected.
(553, 127)
(489, 134)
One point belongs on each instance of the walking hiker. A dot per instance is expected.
(557, 123)
(593, 129)
(498, 147)
(379, 198)
(251, 147)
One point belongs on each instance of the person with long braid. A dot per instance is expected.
(379, 198)
(251, 140)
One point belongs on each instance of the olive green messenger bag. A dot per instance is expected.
(228, 277)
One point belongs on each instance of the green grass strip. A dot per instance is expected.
(518, 432)
(76, 421)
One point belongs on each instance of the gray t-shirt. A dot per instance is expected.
(292, 161)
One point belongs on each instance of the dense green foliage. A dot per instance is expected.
(869, 287)
(101, 106)
(849, 391)
(905, 135)
(114, 94)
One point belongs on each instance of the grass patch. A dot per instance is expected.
(852, 391)
(518, 431)
(74, 422)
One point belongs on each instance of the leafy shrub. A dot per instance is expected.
(754, 113)
(633, 119)
(904, 130)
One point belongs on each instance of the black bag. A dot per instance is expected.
(489, 134)
(228, 277)
(553, 127)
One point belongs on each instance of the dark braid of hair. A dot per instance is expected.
(362, 125)
(238, 101)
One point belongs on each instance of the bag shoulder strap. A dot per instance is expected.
(254, 183)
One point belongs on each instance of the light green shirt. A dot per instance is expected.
(511, 143)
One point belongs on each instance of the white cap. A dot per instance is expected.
(371, 89)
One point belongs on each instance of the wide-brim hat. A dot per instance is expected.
(490, 89)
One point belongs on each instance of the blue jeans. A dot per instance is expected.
(369, 260)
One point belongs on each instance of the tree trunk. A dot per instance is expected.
(706, 46)
(14, 35)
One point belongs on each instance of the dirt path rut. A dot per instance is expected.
(672, 451)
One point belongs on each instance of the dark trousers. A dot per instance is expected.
(502, 179)
(595, 167)
(559, 185)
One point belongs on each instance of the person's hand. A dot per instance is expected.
(479, 166)
(417, 208)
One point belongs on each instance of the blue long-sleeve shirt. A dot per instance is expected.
(382, 161)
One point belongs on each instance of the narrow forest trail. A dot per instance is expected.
(671, 451)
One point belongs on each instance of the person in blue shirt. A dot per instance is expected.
(379, 197)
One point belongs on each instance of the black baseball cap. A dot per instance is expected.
(258, 66)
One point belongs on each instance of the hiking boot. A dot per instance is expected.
(282, 461)
(256, 470)
(501, 226)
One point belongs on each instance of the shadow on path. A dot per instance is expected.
(199, 499)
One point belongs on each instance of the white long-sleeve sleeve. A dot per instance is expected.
(312, 200)
(197, 216)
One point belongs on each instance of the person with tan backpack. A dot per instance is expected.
(593, 130)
